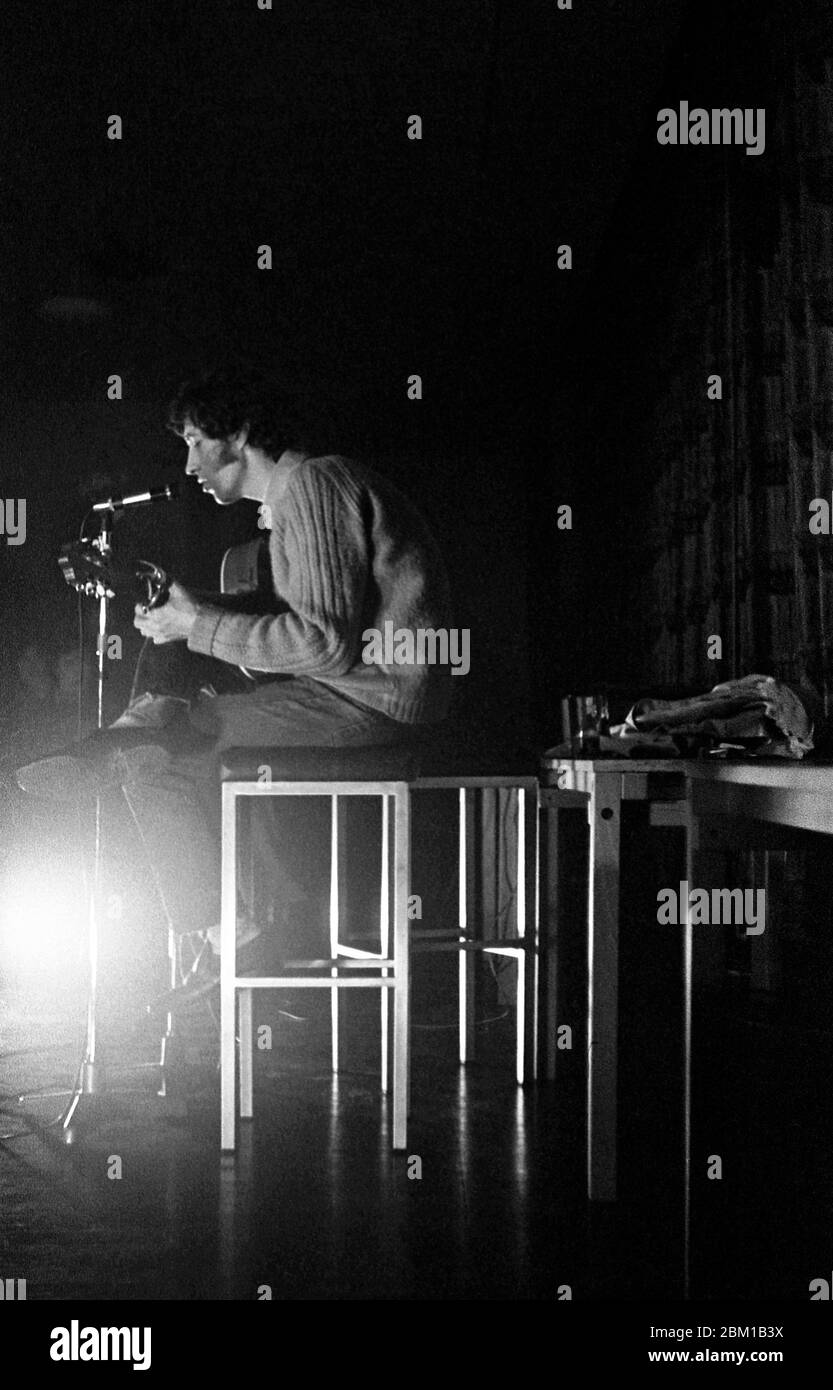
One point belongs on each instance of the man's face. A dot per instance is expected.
(216, 463)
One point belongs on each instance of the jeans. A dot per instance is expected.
(176, 807)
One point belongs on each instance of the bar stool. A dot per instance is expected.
(383, 772)
(468, 938)
(523, 945)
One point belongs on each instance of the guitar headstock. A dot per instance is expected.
(86, 570)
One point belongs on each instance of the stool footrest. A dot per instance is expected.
(342, 963)
(346, 952)
(505, 948)
(455, 934)
(315, 982)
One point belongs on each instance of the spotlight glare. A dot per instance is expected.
(41, 919)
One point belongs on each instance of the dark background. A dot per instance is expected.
(390, 256)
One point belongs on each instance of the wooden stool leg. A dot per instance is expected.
(520, 1015)
(465, 854)
(401, 1037)
(246, 1059)
(384, 935)
(528, 889)
(228, 966)
(520, 931)
(334, 921)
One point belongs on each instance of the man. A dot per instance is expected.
(347, 553)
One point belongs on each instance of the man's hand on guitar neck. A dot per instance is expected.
(170, 623)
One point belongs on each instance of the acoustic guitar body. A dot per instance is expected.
(246, 580)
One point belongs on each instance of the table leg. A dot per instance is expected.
(228, 971)
(693, 865)
(550, 905)
(603, 985)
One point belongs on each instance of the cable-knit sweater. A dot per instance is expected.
(348, 553)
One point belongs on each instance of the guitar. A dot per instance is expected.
(245, 577)
(87, 571)
(245, 581)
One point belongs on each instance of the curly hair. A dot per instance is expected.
(226, 399)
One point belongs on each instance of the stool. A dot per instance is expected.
(333, 772)
(523, 945)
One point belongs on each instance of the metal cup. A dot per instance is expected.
(584, 719)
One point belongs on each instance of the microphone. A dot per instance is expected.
(138, 499)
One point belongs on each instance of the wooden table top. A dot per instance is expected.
(808, 774)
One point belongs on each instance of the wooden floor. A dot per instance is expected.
(315, 1206)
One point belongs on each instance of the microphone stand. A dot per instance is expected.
(90, 1079)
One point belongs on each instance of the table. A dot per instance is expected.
(702, 797)
(605, 783)
(791, 794)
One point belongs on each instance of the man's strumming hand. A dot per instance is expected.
(170, 623)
